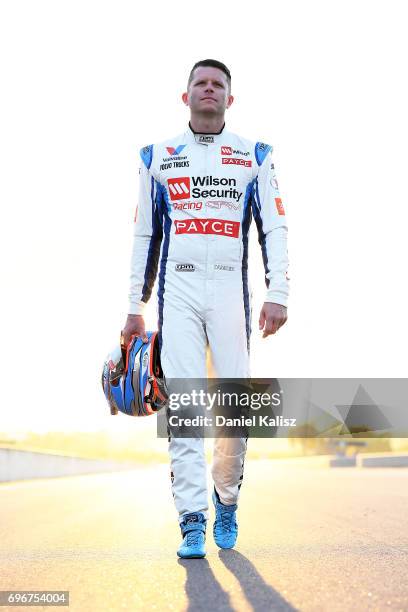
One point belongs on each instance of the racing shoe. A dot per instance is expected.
(192, 528)
(225, 527)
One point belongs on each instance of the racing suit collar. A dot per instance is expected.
(205, 138)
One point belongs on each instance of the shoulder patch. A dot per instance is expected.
(147, 155)
(261, 151)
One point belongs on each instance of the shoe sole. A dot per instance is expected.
(225, 547)
(191, 556)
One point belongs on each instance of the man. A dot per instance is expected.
(198, 193)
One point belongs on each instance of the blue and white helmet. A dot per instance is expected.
(132, 379)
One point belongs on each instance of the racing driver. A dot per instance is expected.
(198, 194)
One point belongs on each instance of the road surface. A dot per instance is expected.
(310, 538)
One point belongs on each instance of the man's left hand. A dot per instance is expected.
(272, 317)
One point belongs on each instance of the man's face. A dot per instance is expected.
(208, 92)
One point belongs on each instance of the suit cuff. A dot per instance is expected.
(277, 298)
(136, 308)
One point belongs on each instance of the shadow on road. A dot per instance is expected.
(259, 594)
(203, 590)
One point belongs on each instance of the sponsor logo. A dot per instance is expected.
(237, 161)
(204, 138)
(188, 206)
(185, 268)
(209, 181)
(230, 151)
(218, 204)
(174, 157)
(208, 226)
(224, 268)
(238, 152)
(173, 151)
(279, 206)
(179, 188)
(262, 146)
(174, 164)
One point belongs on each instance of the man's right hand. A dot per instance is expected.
(134, 325)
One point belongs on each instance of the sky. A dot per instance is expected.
(86, 84)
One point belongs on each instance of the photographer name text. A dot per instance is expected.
(222, 421)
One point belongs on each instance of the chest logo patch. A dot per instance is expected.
(208, 226)
(173, 151)
(237, 161)
(179, 188)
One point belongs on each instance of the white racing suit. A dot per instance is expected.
(198, 193)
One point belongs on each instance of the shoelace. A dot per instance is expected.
(193, 537)
(227, 520)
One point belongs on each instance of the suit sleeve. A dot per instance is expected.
(270, 218)
(147, 237)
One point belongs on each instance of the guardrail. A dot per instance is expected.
(21, 465)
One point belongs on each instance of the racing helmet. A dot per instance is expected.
(132, 378)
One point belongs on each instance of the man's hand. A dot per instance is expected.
(272, 317)
(134, 325)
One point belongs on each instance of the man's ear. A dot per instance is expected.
(230, 101)
(184, 97)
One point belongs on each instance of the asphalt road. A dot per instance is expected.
(310, 539)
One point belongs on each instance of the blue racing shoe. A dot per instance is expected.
(192, 528)
(225, 527)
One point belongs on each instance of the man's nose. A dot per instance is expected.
(209, 86)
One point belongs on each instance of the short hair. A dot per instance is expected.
(212, 64)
